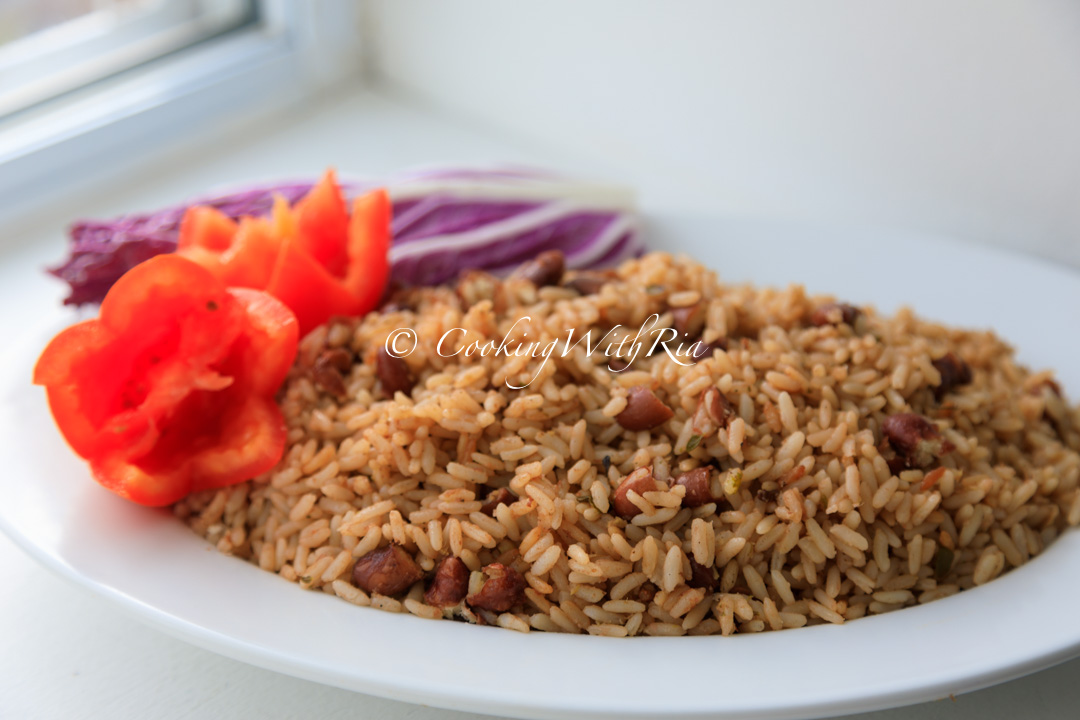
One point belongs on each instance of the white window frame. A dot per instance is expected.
(297, 49)
(71, 55)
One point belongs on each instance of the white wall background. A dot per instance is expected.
(959, 117)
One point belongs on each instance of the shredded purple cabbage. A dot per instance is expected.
(445, 221)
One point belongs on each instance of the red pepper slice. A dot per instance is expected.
(322, 221)
(206, 227)
(250, 260)
(316, 257)
(171, 389)
(369, 248)
(309, 289)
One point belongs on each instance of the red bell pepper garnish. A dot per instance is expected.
(315, 257)
(171, 389)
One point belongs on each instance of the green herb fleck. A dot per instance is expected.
(655, 289)
(693, 442)
(943, 560)
(306, 579)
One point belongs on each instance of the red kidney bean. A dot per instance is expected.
(503, 588)
(698, 486)
(329, 370)
(589, 282)
(713, 412)
(834, 314)
(954, 373)
(393, 373)
(644, 410)
(387, 571)
(545, 269)
(640, 481)
(702, 577)
(450, 584)
(703, 351)
(502, 495)
(916, 440)
(689, 321)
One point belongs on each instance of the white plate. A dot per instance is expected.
(154, 567)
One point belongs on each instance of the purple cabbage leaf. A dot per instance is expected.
(445, 221)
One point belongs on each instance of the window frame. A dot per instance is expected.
(296, 49)
(71, 55)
